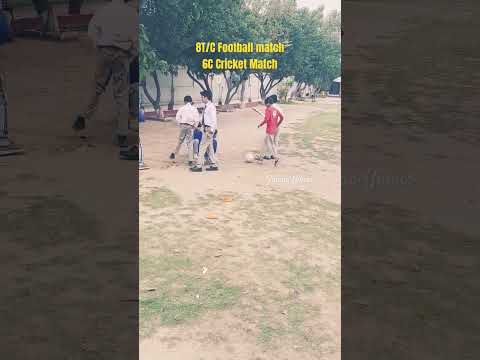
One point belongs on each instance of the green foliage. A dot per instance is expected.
(313, 42)
(149, 58)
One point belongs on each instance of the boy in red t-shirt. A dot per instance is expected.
(272, 120)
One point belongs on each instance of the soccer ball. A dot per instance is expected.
(249, 157)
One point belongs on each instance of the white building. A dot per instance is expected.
(184, 85)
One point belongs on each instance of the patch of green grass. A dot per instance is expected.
(180, 294)
(160, 198)
(187, 298)
(301, 278)
(268, 333)
(318, 137)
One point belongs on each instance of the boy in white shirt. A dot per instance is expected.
(209, 122)
(187, 118)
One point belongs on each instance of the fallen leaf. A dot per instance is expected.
(212, 216)
(204, 270)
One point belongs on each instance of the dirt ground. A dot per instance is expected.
(262, 279)
(57, 197)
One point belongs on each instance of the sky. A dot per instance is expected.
(329, 4)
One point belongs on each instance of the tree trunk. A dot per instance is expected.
(171, 104)
(205, 85)
(242, 94)
(154, 101)
(74, 7)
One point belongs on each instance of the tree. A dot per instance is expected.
(150, 64)
(275, 23)
(317, 50)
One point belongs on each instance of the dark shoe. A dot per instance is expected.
(79, 123)
(272, 157)
(172, 156)
(196, 169)
(267, 157)
(190, 163)
(130, 153)
(212, 168)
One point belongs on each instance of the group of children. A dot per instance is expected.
(199, 134)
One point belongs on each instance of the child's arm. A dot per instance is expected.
(280, 116)
(178, 117)
(262, 123)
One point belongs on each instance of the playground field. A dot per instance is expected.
(243, 263)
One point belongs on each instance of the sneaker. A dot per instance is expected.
(267, 157)
(79, 123)
(258, 158)
(196, 169)
(212, 168)
(191, 163)
(172, 156)
(129, 153)
(272, 157)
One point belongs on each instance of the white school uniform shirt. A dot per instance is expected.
(188, 114)
(210, 116)
(116, 24)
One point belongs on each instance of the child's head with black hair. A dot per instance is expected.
(274, 98)
(206, 96)
(187, 99)
(268, 101)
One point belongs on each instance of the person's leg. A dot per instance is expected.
(277, 136)
(181, 138)
(102, 77)
(206, 145)
(133, 104)
(120, 65)
(266, 147)
(273, 146)
(196, 145)
(197, 139)
(210, 150)
(189, 143)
